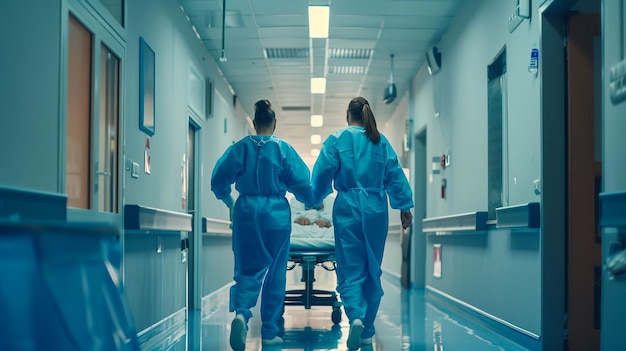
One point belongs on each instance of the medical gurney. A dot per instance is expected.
(309, 253)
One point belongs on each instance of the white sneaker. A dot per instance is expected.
(366, 341)
(354, 336)
(277, 340)
(238, 333)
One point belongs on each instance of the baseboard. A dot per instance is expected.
(508, 330)
(392, 276)
(212, 301)
(162, 335)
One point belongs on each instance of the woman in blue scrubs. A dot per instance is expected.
(262, 167)
(366, 173)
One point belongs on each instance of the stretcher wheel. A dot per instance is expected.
(335, 316)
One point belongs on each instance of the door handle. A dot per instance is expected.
(615, 264)
(103, 173)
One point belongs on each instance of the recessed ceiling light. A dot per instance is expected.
(318, 21)
(318, 85)
(316, 139)
(315, 152)
(317, 120)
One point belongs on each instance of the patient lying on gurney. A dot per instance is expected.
(311, 228)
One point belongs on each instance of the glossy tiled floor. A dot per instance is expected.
(406, 321)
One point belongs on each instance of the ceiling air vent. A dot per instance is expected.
(296, 108)
(351, 53)
(353, 70)
(286, 53)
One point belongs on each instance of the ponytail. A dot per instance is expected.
(359, 109)
(369, 122)
(264, 116)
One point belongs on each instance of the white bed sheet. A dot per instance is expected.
(312, 237)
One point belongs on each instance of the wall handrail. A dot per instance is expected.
(613, 210)
(26, 205)
(519, 216)
(137, 217)
(471, 221)
(217, 227)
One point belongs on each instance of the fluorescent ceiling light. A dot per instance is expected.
(317, 120)
(318, 21)
(316, 139)
(315, 152)
(318, 85)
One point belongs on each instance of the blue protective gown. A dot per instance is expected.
(263, 168)
(364, 174)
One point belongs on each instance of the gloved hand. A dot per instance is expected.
(406, 218)
(232, 211)
(231, 206)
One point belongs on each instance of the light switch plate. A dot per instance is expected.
(537, 186)
(617, 85)
(135, 170)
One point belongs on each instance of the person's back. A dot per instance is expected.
(263, 168)
(262, 165)
(364, 169)
(364, 164)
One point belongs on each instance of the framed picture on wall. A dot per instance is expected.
(147, 88)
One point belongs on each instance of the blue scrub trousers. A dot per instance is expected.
(261, 230)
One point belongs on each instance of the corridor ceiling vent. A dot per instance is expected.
(296, 108)
(350, 53)
(286, 53)
(347, 70)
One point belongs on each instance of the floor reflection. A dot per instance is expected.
(407, 321)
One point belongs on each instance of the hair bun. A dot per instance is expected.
(263, 105)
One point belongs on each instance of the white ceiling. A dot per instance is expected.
(258, 30)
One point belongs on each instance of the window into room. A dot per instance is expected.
(497, 173)
(115, 8)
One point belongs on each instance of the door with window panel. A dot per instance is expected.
(92, 120)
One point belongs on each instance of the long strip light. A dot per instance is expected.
(318, 85)
(319, 21)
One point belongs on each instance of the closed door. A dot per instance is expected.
(92, 120)
(584, 179)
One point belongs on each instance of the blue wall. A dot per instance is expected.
(30, 94)
(614, 178)
(32, 120)
(486, 272)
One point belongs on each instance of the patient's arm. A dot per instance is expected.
(323, 223)
(302, 221)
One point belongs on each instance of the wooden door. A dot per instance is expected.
(584, 172)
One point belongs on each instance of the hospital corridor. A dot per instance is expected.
(332, 175)
(408, 321)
